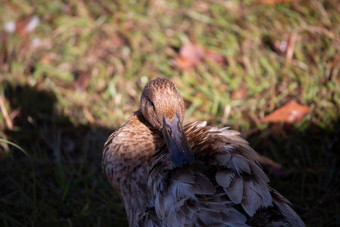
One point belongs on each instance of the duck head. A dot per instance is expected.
(163, 107)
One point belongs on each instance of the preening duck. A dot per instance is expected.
(170, 174)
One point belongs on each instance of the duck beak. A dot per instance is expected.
(177, 143)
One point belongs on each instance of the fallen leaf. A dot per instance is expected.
(190, 55)
(289, 113)
(239, 93)
(184, 63)
(214, 56)
(26, 25)
(273, 2)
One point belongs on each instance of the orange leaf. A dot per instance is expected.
(184, 63)
(239, 93)
(26, 25)
(289, 113)
(190, 55)
(273, 2)
(216, 57)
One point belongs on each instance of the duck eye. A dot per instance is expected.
(152, 104)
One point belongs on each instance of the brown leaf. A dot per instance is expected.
(239, 93)
(26, 25)
(190, 55)
(184, 63)
(289, 113)
(214, 56)
(273, 2)
(193, 54)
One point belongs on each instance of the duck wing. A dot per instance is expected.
(224, 187)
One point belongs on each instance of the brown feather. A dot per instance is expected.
(225, 186)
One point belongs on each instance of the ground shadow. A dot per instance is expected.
(311, 159)
(62, 182)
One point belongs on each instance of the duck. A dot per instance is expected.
(168, 173)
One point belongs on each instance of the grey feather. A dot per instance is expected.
(290, 215)
(235, 190)
(224, 178)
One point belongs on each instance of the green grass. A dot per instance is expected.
(66, 95)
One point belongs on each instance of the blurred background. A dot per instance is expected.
(71, 72)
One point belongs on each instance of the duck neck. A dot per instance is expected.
(136, 160)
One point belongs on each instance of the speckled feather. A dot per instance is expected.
(225, 186)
